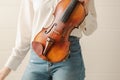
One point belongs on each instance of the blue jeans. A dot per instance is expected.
(70, 69)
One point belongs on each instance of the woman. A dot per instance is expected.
(34, 15)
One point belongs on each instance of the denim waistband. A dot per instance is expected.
(71, 39)
(74, 48)
(74, 43)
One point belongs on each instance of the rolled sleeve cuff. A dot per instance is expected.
(90, 25)
(16, 58)
(13, 62)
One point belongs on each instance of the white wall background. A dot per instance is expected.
(101, 50)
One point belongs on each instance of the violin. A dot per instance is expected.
(52, 43)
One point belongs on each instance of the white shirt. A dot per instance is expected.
(33, 16)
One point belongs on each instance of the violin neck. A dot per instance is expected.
(69, 10)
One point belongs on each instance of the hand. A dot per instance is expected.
(4, 72)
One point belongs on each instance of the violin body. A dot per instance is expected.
(52, 43)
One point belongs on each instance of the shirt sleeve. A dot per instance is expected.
(89, 25)
(23, 37)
